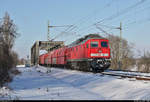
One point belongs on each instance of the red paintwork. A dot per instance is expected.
(42, 58)
(61, 55)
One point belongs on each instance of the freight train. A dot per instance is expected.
(91, 53)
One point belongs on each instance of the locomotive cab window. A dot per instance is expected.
(104, 44)
(94, 44)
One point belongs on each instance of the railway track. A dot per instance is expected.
(127, 75)
(125, 71)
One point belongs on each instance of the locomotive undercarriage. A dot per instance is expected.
(87, 65)
(90, 65)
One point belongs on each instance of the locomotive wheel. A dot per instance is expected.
(94, 66)
(85, 66)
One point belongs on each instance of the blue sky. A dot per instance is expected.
(31, 18)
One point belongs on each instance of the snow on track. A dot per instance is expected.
(61, 84)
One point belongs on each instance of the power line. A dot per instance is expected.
(128, 9)
(134, 22)
(137, 12)
(61, 33)
(97, 10)
(98, 27)
(85, 18)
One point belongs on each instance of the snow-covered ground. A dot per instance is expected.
(61, 84)
(20, 66)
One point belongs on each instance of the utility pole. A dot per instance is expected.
(120, 48)
(48, 37)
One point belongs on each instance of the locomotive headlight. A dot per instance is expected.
(99, 54)
(94, 54)
(106, 54)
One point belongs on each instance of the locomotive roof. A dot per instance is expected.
(85, 38)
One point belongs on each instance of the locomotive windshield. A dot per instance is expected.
(104, 44)
(94, 44)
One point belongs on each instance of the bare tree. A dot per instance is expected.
(8, 58)
(8, 31)
(144, 62)
(127, 54)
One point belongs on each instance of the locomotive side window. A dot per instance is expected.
(94, 44)
(87, 46)
(104, 44)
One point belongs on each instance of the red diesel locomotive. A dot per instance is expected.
(91, 53)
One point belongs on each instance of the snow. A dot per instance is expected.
(40, 83)
(20, 66)
(134, 68)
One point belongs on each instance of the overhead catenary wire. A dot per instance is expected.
(139, 21)
(62, 32)
(98, 27)
(128, 9)
(139, 11)
(84, 19)
(124, 11)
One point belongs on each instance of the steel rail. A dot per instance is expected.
(124, 75)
